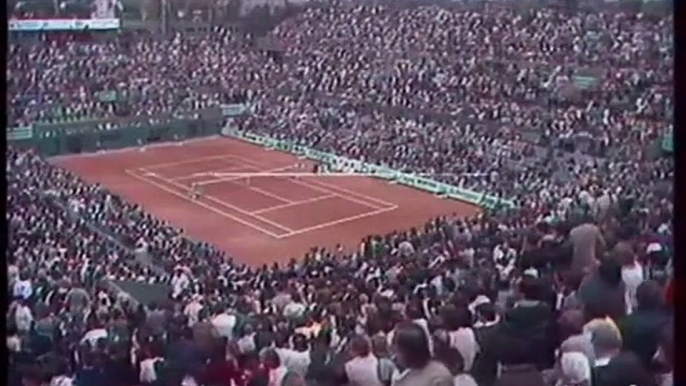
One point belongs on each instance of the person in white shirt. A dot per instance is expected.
(180, 282)
(298, 358)
(415, 313)
(22, 288)
(246, 344)
(363, 368)
(192, 310)
(295, 308)
(279, 375)
(13, 343)
(224, 324)
(148, 372)
(460, 335)
(93, 336)
(452, 359)
(23, 317)
(12, 274)
(61, 378)
(632, 272)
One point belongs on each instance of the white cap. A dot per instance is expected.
(654, 247)
(532, 272)
(481, 299)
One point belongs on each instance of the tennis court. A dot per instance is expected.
(249, 202)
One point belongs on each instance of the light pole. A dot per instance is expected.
(164, 5)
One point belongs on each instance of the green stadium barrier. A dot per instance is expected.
(346, 164)
(668, 143)
(93, 135)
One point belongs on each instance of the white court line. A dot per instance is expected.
(226, 204)
(186, 162)
(230, 180)
(337, 222)
(324, 190)
(226, 169)
(329, 191)
(202, 204)
(352, 192)
(294, 203)
(272, 195)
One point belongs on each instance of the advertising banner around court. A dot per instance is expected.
(234, 110)
(20, 133)
(345, 164)
(38, 25)
(668, 143)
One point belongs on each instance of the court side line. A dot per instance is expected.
(226, 204)
(337, 222)
(294, 203)
(202, 204)
(329, 191)
(226, 169)
(186, 162)
(229, 179)
(352, 192)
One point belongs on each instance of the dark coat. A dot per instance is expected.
(520, 375)
(601, 298)
(641, 332)
(187, 356)
(485, 367)
(526, 336)
(322, 370)
(625, 369)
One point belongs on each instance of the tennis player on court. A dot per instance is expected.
(319, 168)
(196, 191)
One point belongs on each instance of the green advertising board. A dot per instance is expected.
(668, 143)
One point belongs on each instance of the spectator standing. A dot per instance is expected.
(642, 329)
(612, 365)
(588, 244)
(632, 271)
(602, 293)
(485, 365)
(665, 356)
(220, 371)
(415, 364)
(452, 359)
(458, 321)
(525, 335)
(364, 367)
(517, 375)
(277, 373)
(574, 338)
(575, 370)
(23, 317)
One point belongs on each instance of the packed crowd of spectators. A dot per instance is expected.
(69, 79)
(582, 296)
(572, 288)
(468, 155)
(599, 81)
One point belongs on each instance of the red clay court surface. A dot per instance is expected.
(268, 219)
